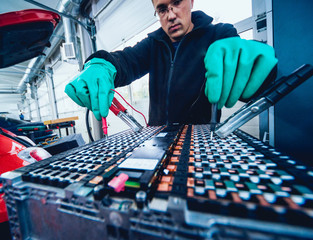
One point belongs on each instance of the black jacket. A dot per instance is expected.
(177, 79)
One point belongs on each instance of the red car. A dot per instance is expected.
(24, 35)
(16, 152)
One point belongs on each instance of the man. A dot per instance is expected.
(192, 63)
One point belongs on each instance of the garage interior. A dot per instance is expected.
(35, 89)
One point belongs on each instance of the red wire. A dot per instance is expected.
(131, 106)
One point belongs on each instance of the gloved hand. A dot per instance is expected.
(91, 88)
(236, 68)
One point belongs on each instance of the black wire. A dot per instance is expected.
(192, 105)
(88, 127)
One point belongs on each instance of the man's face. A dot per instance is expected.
(176, 22)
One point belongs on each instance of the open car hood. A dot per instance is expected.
(24, 34)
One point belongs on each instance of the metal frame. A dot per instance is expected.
(51, 92)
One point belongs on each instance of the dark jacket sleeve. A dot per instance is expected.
(225, 30)
(130, 63)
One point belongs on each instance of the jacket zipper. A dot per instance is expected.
(170, 78)
(171, 71)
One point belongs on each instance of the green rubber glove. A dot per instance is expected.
(236, 68)
(91, 88)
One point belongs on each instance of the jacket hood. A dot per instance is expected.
(198, 18)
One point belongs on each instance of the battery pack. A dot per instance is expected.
(164, 182)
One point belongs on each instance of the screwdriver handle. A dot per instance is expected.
(213, 116)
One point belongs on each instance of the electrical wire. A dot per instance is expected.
(104, 123)
(132, 107)
(88, 126)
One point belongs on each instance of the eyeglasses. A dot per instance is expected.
(162, 11)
